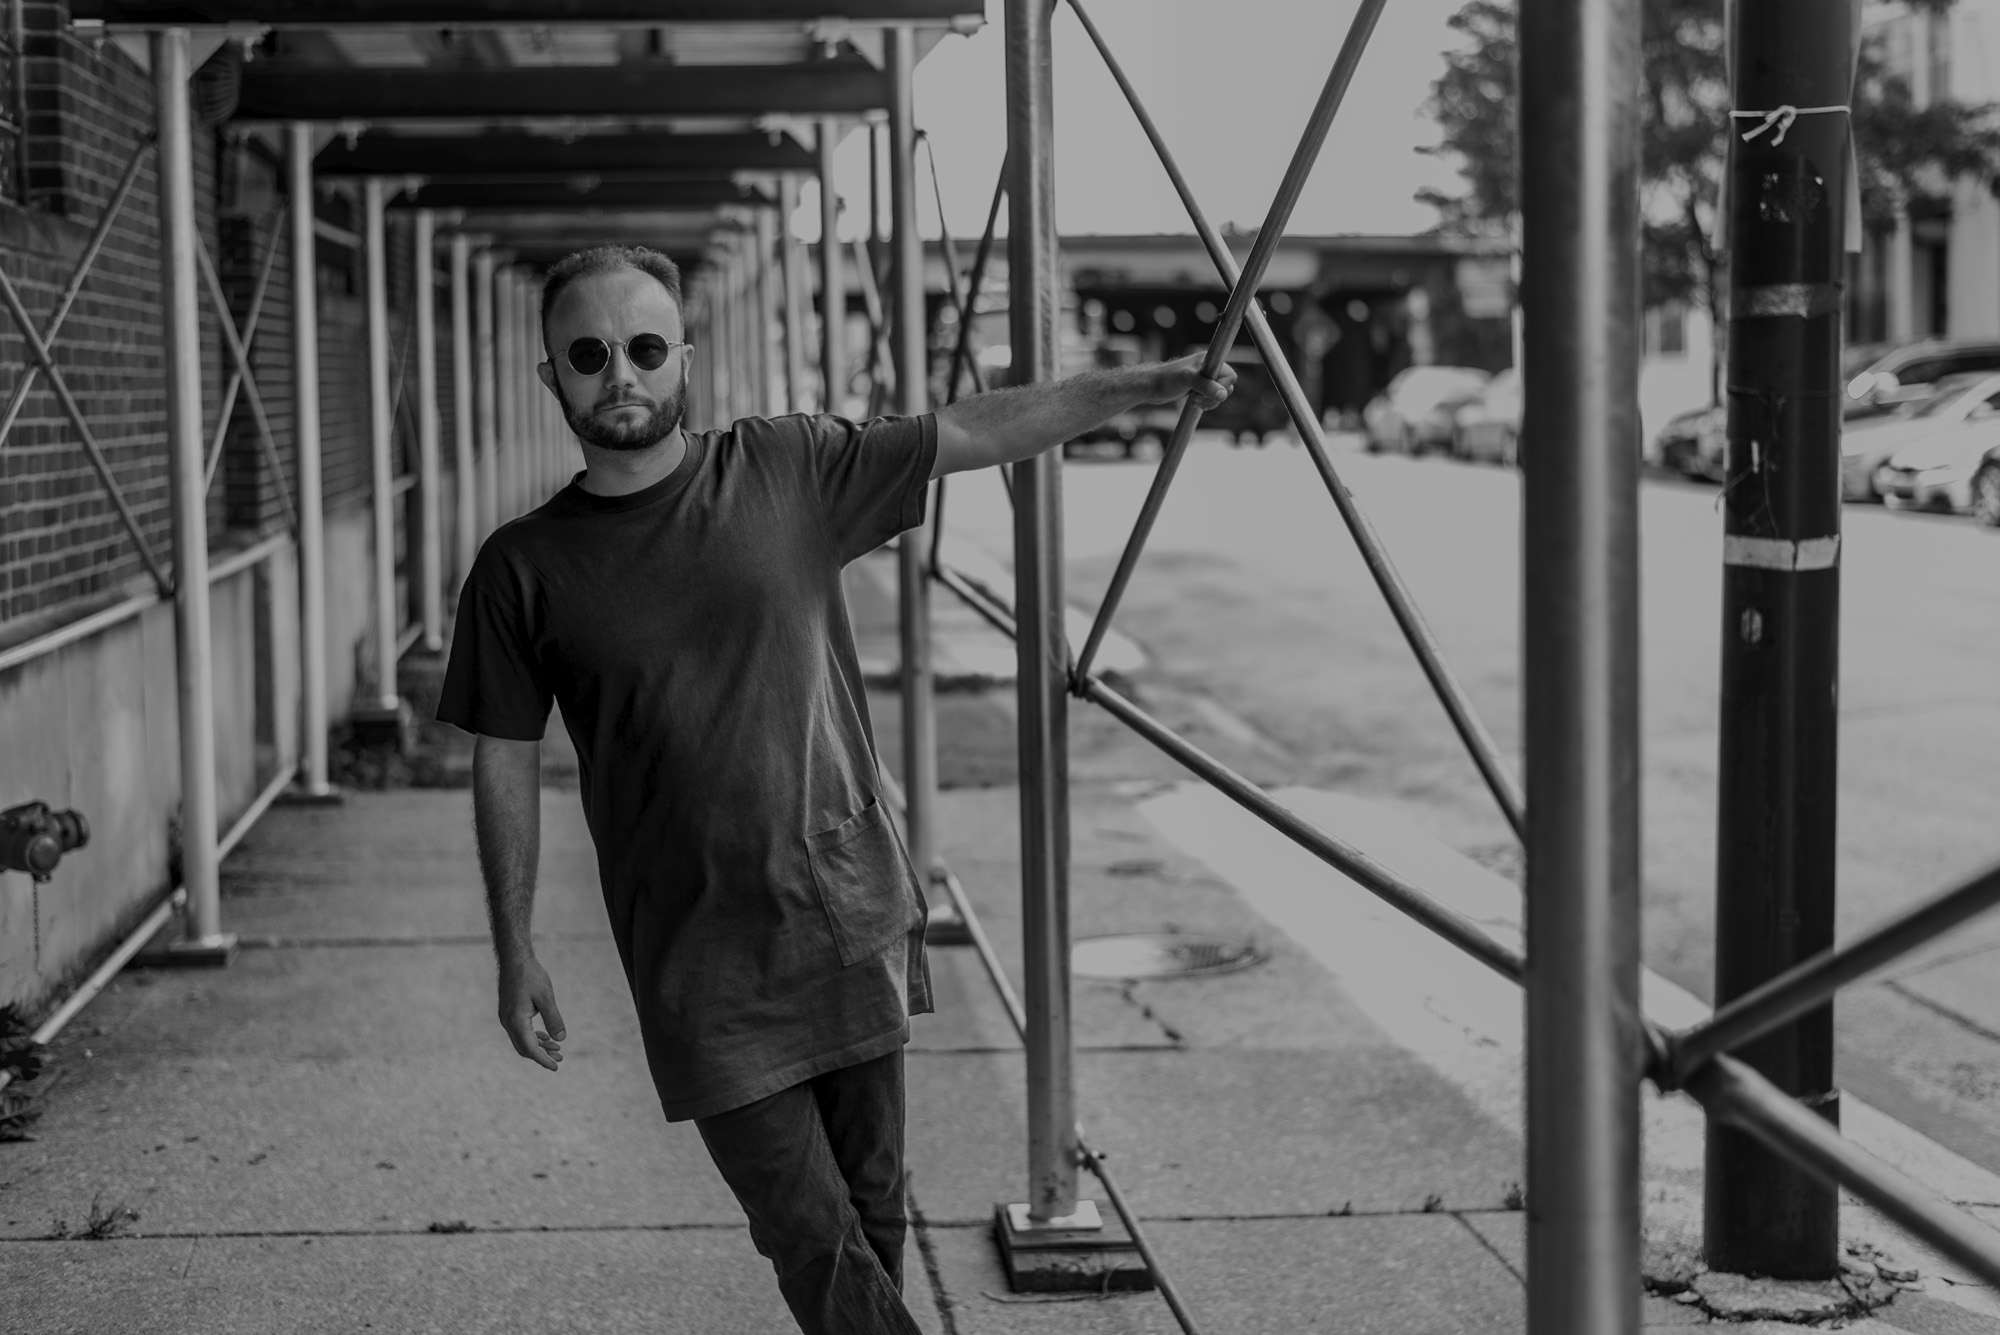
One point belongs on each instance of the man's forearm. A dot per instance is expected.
(506, 814)
(1009, 425)
(1034, 417)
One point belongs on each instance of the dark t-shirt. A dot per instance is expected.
(697, 639)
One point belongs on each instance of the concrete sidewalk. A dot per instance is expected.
(332, 1133)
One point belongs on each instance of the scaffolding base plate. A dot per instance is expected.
(384, 727)
(207, 952)
(300, 796)
(944, 927)
(1081, 1253)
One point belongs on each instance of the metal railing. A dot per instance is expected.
(1695, 1060)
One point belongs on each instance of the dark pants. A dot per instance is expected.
(818, 1169)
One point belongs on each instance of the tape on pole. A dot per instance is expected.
(1781, 553)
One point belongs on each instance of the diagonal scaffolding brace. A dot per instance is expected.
(248, 334)
(246, 377)
(46, 360)
(84, 264)
(1506, 788)
(1241, 296)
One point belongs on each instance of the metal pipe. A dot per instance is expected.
(792, 265)
(832, 288)
(881, 360)
(1400, 894)
(1780, 668)
(485, 395)
(1240, 297)
(1735, 1094)
(913, 611)
(430, 503)
(180, 337)
(381, 433)
(1423, 642)
(950, 254)
(1034, 313)
(467, 490)
(1585, 1035)
(1813, 982)
(306, 442)
(506, 423)
(85, 263)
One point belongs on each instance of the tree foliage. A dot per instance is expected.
(1905, 153)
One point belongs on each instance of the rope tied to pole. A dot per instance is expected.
(1781, 118)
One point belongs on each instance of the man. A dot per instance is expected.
(681, 600)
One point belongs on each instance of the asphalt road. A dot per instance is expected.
(1252, 594)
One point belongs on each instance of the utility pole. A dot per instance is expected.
(1793, 70)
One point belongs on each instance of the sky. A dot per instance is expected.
(1230, 86)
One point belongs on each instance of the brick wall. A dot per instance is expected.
(62, 546)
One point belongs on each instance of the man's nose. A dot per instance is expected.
(619, 371)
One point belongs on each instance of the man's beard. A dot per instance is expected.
(619, 434)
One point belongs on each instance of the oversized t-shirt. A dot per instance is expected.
(697, 640)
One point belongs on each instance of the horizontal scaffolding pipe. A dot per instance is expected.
(1344, 857)
(1506, 788)
(1240, 298)
(1813, 982)
(1734, 1093)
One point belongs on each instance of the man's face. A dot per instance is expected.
(621, 407)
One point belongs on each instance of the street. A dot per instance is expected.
(1252, 595)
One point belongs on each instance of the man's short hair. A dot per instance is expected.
(598, 259)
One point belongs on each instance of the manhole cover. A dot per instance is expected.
(1159, 955)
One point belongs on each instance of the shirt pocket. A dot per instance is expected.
(864, 883)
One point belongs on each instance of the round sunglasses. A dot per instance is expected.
(647, 352)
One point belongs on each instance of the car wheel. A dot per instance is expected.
(1986, 494)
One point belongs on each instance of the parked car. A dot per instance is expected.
(1414, 414)
(1904, 374)
(1937, 471)
(1489, 427)
(1986, 489)
(1695, 442)
(1867, 444)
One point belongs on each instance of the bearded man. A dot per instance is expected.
(681, 600)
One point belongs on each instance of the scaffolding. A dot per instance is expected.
(504, 202)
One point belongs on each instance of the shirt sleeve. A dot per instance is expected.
(493, 683)
(873, 477)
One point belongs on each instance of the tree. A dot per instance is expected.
(1903, 153)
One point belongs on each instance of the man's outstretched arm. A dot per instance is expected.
(1009, 425)
(507, 817)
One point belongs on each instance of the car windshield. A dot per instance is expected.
(1947, 392)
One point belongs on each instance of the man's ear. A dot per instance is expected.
(547, 372)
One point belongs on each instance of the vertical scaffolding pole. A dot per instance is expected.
(312, 499)
(920, 776)
(1781, 607)
(832, 287)
(467, 494)
(194, 651)
(487, 403)
(1579, 112)
(1035, 310)
(768, 397)
(381, 435)
(506, 431)
(430, 566)
(797, 300)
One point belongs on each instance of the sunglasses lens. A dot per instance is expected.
(647, 351)
(587, 356)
